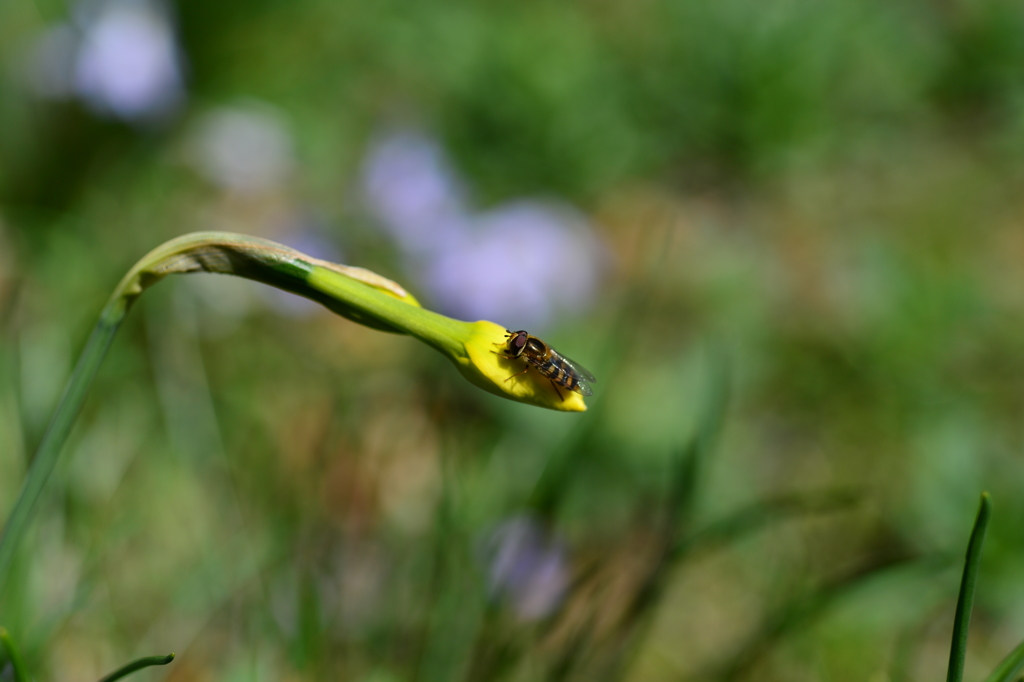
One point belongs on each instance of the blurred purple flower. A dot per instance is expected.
(129, 62)
(246, 148)
(122, 59)
(528, 567)
(411, 188)
(521, 262)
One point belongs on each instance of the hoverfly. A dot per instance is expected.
(550, 363)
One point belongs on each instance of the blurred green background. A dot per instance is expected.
(806, 218)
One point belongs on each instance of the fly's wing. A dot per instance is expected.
(583, 388)
(582, 375)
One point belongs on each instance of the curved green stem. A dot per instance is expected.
(354, 293)
(53, 440)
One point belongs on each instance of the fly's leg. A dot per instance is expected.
(512, 357)
(520, 374)
(555, 386)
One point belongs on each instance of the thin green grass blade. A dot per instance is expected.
(20, 673)
(53, 440)
(137, 665)
(1009, 670)
(964, 603)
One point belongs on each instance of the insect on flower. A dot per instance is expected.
(550, 363)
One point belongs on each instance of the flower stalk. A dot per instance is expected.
(475, 348)
(355, 293)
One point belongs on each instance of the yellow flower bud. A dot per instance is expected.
(487, 366)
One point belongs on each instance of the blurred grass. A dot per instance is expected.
(827, 193)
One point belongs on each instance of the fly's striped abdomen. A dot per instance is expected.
(555, 369)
